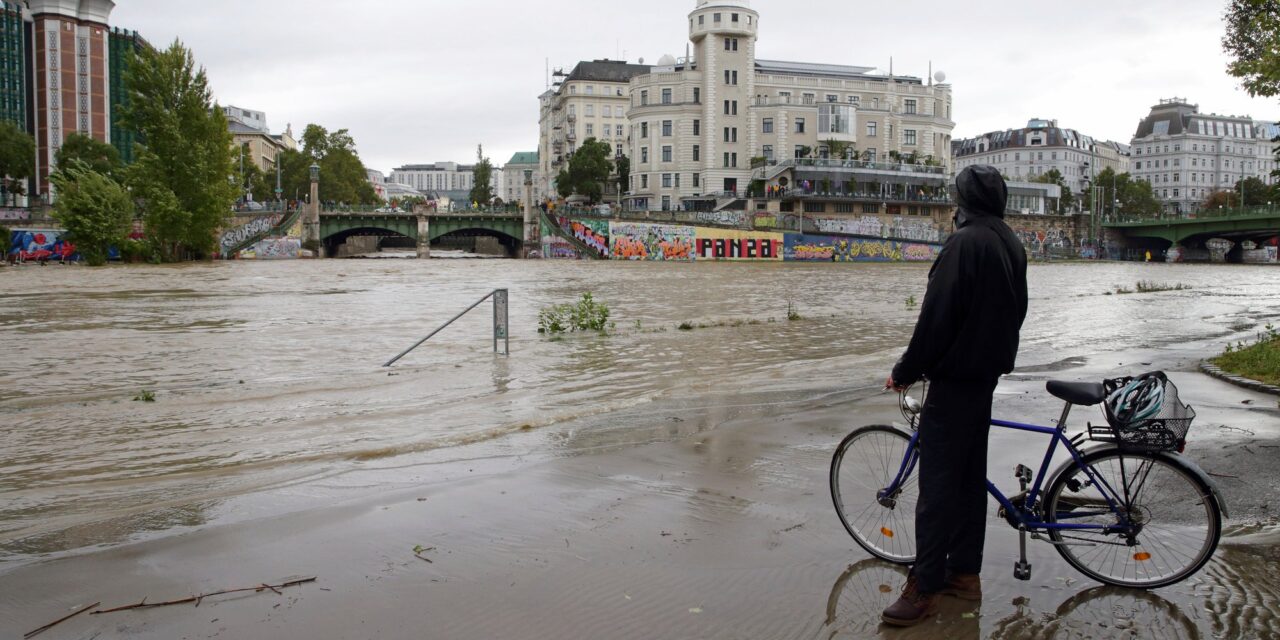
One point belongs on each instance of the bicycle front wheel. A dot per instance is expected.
(1176, 521)
(864, 465)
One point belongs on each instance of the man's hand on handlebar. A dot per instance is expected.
(890, 384)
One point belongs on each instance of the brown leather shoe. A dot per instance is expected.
(912, 608)
(966, 586)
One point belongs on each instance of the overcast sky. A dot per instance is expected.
(426, 80)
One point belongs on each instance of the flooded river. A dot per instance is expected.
(268, 374)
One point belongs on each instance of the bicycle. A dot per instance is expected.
(1130, 512)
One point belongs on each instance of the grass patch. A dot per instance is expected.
(584, 315)
(1148, 286)
(1259, 360)
(145, 396)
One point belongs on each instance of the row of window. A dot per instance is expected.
(715, 19)
(604, 130)
(669, 180)
(590, 90)
(589, 111)
(1158, 178)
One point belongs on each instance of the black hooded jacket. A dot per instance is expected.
(977, 296)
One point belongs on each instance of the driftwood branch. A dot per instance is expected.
(196, 599)
(35, 632)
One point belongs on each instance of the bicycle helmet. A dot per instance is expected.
(1140, 399)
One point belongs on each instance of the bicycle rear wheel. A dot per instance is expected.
(1178, 519)
(866, 462)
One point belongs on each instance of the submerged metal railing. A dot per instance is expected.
(500, 325)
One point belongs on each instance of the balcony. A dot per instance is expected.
(837, 164)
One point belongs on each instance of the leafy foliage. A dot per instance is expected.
(17, 160)
(1259, 361)
(1252, 192)
(342, 174)
(95, 210)
(585, 315)
(251, 178)
(589, 168)
(622, 168)
(98, 156)
(1252, 41)
(482, 179)
(181, 173)
(1053, 176)
(1135, 196)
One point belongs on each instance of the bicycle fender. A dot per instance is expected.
(1182, 462)
(1173, 458)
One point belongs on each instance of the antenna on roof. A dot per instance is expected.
(891, 66)
(931, 73)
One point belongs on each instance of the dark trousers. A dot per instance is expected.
(951, 515)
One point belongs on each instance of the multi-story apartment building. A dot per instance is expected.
(448, 179)
(123, 44)
(1186, 155)
(513, 177)
(1040, 147)
(13, 70)
(591, 101)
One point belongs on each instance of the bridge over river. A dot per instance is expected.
(1257, 224)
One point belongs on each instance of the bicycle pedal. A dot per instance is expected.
(1022, 570)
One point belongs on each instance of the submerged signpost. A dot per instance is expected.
(500, 325)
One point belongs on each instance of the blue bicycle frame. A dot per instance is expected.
(1026, 514)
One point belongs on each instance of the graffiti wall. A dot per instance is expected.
(918, 229)
(554, 246)
(727, 218)
(273, 249)
(766, 221)
(818, 248)
(728, 244)
(40, 244)
(8, 213)
(593, 233)
(645, 241)
(236, 235)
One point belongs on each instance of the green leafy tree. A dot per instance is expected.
(622, 169)
(17, 161)
(588, 170)
(1053, 176)
(183, 173)
(95, 210)
(1252, 41)
(1220, 199)
(481, 179)
(1252, 192)
(99, 156)
(342, 174)
(251, 178)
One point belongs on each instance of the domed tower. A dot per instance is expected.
(723, 33)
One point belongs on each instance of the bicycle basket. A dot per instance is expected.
(1164, 431)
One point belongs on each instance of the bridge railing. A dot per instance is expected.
(1237, 213)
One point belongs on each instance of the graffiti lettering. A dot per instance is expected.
(731, 218)
(15, 214)
(238, 235)
(645, 241)
(732, 248)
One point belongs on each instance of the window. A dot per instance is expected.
(808, 98)
(766, 125)
(591, 130)
(697, 127)
(799, 125)
(618, 112)
(871, 129)
(730, 159)
(677, 177)
(697, 152)
(666, 181)
(768, 151)
(666, 128)
(644, 181)
(731, 107)
(909, 136)
(701, 21)
(909, 106)
(697, 94)
(644, 154)
(853, 100)
(666, 96)
(644, 97)
(715, 17)
(695, 180)
(589, 111)
(733, 17)
(666, 203)
(666, 153)
(730, 44)
(831, 97)
(619, 131)
(730, 76)
(799, 151)
(644, 129)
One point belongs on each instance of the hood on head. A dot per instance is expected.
(980, 190)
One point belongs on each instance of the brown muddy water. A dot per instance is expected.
(267, 376)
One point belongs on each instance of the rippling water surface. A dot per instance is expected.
(267, 372)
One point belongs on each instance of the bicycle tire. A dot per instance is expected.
(885, 532)
(1153, 560)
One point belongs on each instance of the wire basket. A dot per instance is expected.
(1165, 431)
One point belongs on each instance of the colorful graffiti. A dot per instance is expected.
(645, 241)
(817, 248)
(1040, 241)
(766, 221)
(273, 249)
(918, 229)
(593, 233)
(14, 214)
(555, 246)
(725, 244)
(728, 218)
(40, 244)
(236, 235)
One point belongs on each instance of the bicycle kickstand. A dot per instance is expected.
(1022, 568)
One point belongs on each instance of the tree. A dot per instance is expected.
(481, 179)
(1220, 199)
(1252, 41)
(622, 169)
(1053, 176)
(1252, 192)
(99, 156)
(95, 210)
(17, 161)
(182, 173)
(589, 168)
(250, 178)
(342, 174)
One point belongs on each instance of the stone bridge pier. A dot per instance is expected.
(424, 235)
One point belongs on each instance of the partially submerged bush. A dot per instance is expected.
(585, 315)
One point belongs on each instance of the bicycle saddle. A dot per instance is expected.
(1082, 393)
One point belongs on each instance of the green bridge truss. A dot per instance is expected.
(338, 226)
(1233, 224)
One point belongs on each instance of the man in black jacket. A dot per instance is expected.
(965, 339)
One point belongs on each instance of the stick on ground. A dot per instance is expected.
(51, 625)
(197, 599)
